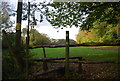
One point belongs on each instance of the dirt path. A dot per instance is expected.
(108, 72)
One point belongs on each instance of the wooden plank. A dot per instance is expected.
(99, 62)
(59, 69)
(53, 58)
(83, 62)
(75, 45)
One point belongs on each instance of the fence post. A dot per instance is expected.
(80, 65)
(67, 56)
(18, 28)
(45, 67)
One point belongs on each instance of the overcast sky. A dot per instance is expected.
(45, 27)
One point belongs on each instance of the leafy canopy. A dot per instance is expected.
(79, 14)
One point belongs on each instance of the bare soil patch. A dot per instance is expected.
(102, 72)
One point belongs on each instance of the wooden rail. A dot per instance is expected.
(59, 69)
(84, 62)
(55, 58)
(66, 58)
(75, 45)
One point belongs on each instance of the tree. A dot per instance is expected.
(37, 38)
(5, 22)
(4, 41)
(24, 32)
(64, 14)
(5, 11)
(102, 32)
(82, 14)
(38, 8)
(72, 41)
(30, 11)
(54, 41)
(85, 15)
(87, 37)
(67, 14)
(61, 41)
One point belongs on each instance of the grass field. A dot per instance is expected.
(85, 52)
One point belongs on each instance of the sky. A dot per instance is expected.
(46, 27)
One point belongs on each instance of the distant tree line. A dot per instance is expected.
(100, 33)
(36, 38)
(62, 41)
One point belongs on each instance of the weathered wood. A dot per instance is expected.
(17, 48)
(80, 65)
(99, 62)
(75, 45)
(27, 52)
(83, 62)
(45, 67)
(44, 53)
(67, 56)
(49, 46)
(59, 69)
(18, 27)
(53, 58)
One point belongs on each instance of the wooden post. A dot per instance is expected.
(45, 67)
(80, 65)
(67, 56)
(18, 27)
(18, 35)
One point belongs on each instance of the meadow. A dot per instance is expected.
(85, 52)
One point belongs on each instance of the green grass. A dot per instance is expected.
(85, 52)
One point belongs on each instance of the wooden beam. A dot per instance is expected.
(75, 45)
(59, 69)
(53, 58)
(83, 62)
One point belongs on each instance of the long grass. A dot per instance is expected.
(85, 52)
